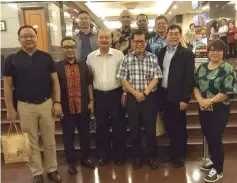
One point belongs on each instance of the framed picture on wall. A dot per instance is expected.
(3, 25)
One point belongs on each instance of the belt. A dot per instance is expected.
(35, 101)
(108, 91)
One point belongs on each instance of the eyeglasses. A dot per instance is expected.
(174, 35)
(215, 51)
(83, 18)
(68, 47)
(137, 42)
(28, 36)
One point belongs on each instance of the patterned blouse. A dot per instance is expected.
(219, 80)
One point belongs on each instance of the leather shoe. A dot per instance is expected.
(103, 162)
(88, 164)
(38, 179)
(152, 164)
(168, 158)
(178, 163)
(55, 176)
(72, 169)
(137, 164)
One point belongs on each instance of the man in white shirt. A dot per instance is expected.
(223, 30)
(104, 64)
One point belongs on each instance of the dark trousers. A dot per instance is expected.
(142, 113)
(232, 48)
(175, 125)
(213, 125)
(108, 104)
(69, 124)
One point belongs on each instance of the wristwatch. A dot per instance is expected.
(56, 102)
(145, 95)
(212, 101)
(124, 93)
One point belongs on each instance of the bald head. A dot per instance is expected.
(125, 18)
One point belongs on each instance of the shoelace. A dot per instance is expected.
(209, 162)
(212, 173)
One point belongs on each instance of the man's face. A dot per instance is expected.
(223, 22)
(84, 21)
(173, 37)
(161, 26)
(68, 49)
(142, 23)
(104, 39)
(28, 38)
(139, 43)
(125, 18)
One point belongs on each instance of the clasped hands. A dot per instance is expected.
(205, 103)
(140, 96)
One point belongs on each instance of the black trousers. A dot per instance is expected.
(175, 125)
(232, 48)
(213, 125)
(108, 104)
(142, 113)
(69, 123)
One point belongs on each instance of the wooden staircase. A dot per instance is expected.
(195, 137)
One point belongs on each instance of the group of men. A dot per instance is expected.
(101, 74)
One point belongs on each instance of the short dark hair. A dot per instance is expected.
(83, 11)
(161, 17)
(224, 19)
(67, 38)
(24, 27)
(142, 14)
(139, 32)
(175, 26)
(191, 25)
(218, 45)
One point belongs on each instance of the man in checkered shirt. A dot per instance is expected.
(139, 73)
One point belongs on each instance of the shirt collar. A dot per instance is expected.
(157, 36)
(99, 53)
(134, 53)
(170, 48)
(66, 62)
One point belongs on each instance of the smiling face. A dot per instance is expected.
(28, 38)
(84, 21)
(125, 18)
(215, 55)
(68, 49)
(174, 37)
(161, 25)
(139, 43)
(104, 39)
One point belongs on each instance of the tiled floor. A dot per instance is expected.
(19, 173)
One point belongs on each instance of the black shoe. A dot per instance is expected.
(152, 164)
(55, 176)
(178, 163)
(38, 179)
(208, 165)
(168, 158)
(72, 169)
(103, 162)
(137, 164)
(119, 161)
(213, 176)
(88, 164)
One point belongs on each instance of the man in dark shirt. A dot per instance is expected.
(33, 75)
(77, 98)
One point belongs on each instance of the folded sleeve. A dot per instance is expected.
(229, 83)
(123, 69)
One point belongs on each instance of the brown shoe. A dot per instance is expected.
(38, 179)
(55, 176)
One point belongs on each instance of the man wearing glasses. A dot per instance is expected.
(174, 91)
(139, 74)
(33, 75)
(77, 99)
(85, 39)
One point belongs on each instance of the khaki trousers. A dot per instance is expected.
(35, 118)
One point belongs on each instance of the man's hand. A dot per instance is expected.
(183, 106)
(57, 110)
(91, 107)
(140, 97)
(123, 100)
(11, 115)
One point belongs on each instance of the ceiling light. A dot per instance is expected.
(175, 7)
(170, 12)
(77, 19)
(66, 14)
(205, 8)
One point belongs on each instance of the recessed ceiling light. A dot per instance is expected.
(175, 7)
(170, 12)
